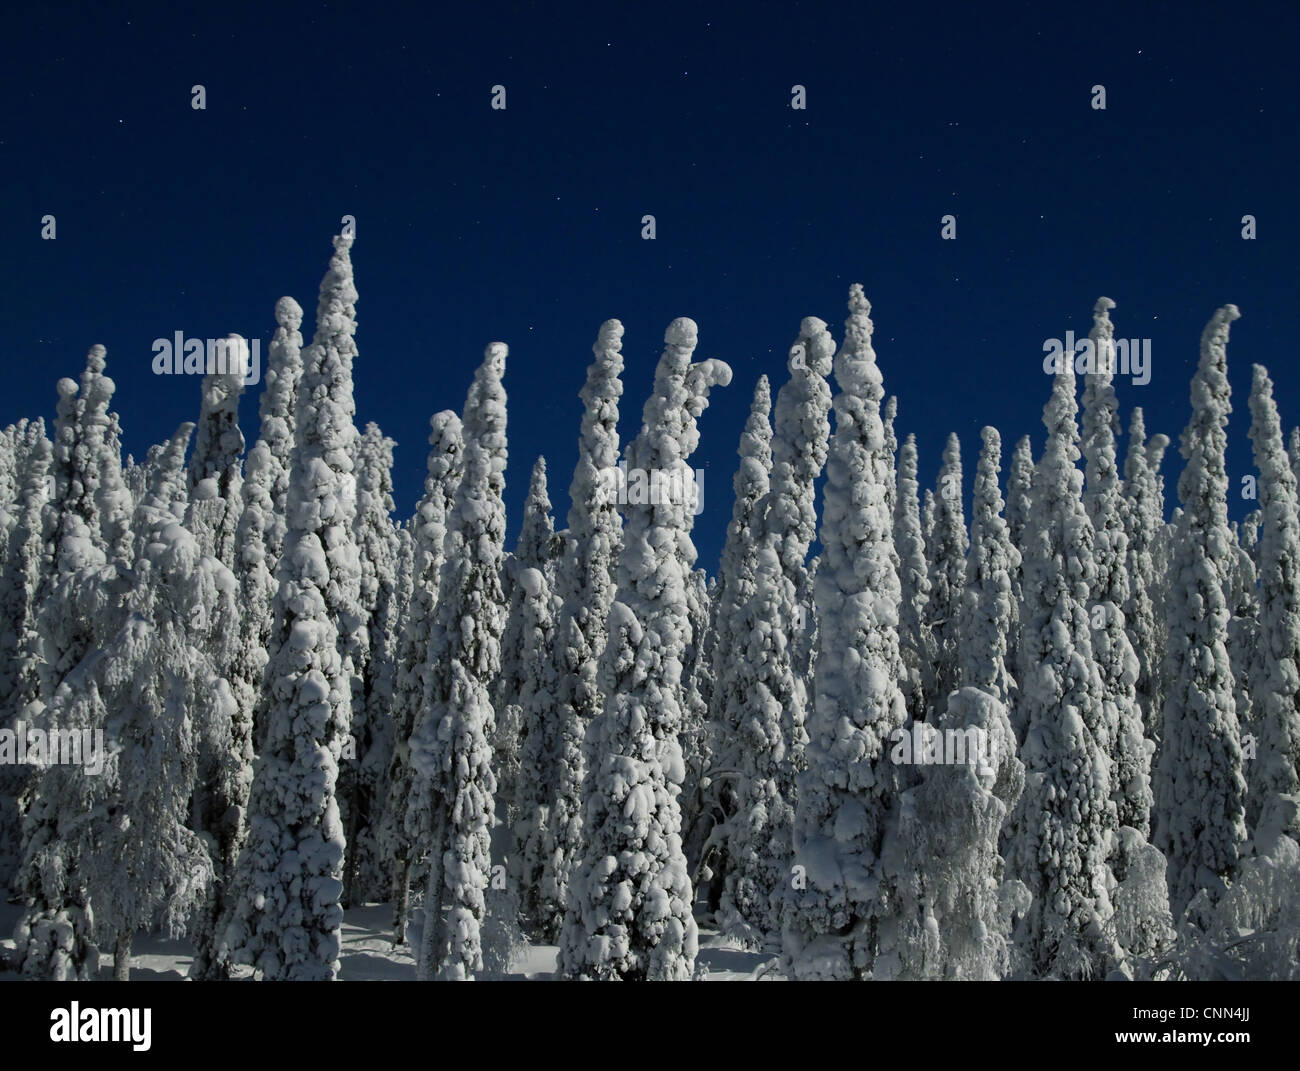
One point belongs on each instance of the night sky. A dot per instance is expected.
(524, 225)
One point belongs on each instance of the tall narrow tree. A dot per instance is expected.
(402, 832)
(986, 614)
(947, 567)
(1144, 511)
(1066, 816)
(452, 746)
(846, 793)
(532, 551)
(1199, 787)
(287, 917)
(585, 582)
(1276, 689)
(772, 735)
(629, 909)
(914, 635)
(364, 774)
(1103, 500)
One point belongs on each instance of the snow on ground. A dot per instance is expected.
(368, 953)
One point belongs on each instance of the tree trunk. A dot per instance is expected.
(431, 945)
(401, 899)
(350, 850)
(122, 957)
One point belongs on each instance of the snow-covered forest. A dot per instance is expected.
(242, 693)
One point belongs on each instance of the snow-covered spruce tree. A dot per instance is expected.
(16, 444)
(1065, 818)
(262, 523)
(9, 482)
(953, 910)
(733, 692)
(225, 742)
(1254, 931)
(1250, 533)
(363, 779)
(1276, 687)
(698, 735)
(114, 497)
(585, 582)
(889, 414)
(914, 583)
(891, 447)
(628, 913)
(1293, 453)
(403, 841)
(1020, 476)
(986, 615)
(804, 644)
(535, 784)
(772, 736)
(1199, 787)
(19, 652)
(736, 570)
(374, 863)
(256, 580)
(947, 567)
(1144, 512)
(1103, 499)
(147, 868)
(22, 568)
(502, 934)
(135, 474)
(928, 520)
(259, 540)
(276, 413)
(286, 917)
(78, 605)
(845, 795)
(1241, 590)
(531, 552)
(452, 747)
(216, 476)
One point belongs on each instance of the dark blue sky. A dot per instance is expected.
(524, 225)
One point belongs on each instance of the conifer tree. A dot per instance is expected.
(629, 908)
(1144, 510)
(79, 604)
(286, 917)
(986, 614)
(1277, 685)
(158, 682)
(772, 737)
(535, 782)
(1066, 816)
(452, 745)
(914, 582)
(1199, 788)
(947, 567)
(735, 701)
(585, 582)
(364, 776)
(531, 552)
(1103, 500)
(402, 833)
(846, 793)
